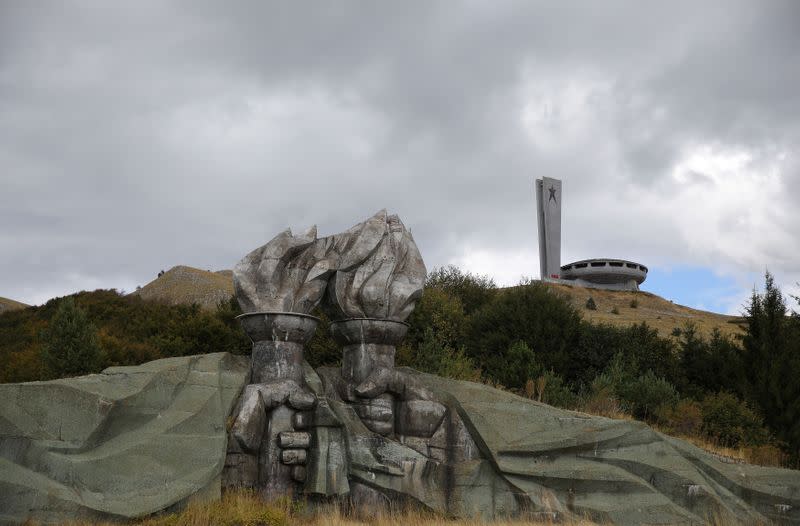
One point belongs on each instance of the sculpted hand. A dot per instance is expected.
(416, 411)
(258, 400)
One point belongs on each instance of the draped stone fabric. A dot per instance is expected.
(124, 443)
(135, 440)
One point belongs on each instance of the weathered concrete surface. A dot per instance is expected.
(372, 270)
(618, 471)
(135, 440)
(124, 443)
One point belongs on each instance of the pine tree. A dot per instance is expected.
(772, 362)
(69, 344)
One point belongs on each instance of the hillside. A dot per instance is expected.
(184, 284)
(9, 305)
(188, 285)
(657, 312)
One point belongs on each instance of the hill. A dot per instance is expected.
(187, 285)
(657, 312)
(9, 305)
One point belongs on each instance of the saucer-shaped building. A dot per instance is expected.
(611, 272)
(607, 273)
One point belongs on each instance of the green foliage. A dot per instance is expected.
(128, 330)
(441, 312)
(710, 365)
(69, 344)
(530, 313)
(434, 356)
(590, 304)
(555, 391)
(731, 422)
(322, 350)
(472, 290)
(644, 395)
(772, 363)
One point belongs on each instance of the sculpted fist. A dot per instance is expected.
(415, 411)
(251, 425)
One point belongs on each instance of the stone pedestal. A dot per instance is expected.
(368, 344)
(279, 339)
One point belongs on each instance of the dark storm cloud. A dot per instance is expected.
(141, 135)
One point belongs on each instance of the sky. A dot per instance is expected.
(135, 136)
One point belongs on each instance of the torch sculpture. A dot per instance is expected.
(277, 285)
(369, 304)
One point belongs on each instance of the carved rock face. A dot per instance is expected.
(372, 270)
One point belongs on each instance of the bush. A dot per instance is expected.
(472, 290)
(685, 418)
(443, 313)
(590, 304)
(69, 344)
(614, 310)
(551, 389)
(731, 422)
(634, 303)
(528, 313)
(434, 357)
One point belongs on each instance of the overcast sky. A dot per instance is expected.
(135, 136)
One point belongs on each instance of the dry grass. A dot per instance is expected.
(187, 285)
(8, 305)
(244, 508)
(767, 455)
(657, 312)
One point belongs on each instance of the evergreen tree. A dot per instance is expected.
(69, 344)
(772, 362)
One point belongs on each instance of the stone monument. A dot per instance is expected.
(602, 273)
(133, 441)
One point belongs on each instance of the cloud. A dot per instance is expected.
(134, 137)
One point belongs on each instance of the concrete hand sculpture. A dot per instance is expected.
(277, 285)
(369, 304)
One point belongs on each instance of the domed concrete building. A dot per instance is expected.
(610, 273)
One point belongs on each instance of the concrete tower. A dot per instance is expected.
(548, 206)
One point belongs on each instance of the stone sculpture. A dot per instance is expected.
(135, 440)
(373, 274)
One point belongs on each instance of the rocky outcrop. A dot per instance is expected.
(124, 443)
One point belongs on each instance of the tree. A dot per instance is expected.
(69, 344)
(772, 362)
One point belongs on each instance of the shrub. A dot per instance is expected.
(634, 303)
(614, 310)
(551, 389)
(528, 313)
(433, 356)
(590, 304)
(69, 344)
(685, 418)
(731, 422)
(647, 395)
(472, 290)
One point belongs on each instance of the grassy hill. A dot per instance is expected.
(657, 312)
(183, 284)
(186, 285)
(9, 305)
